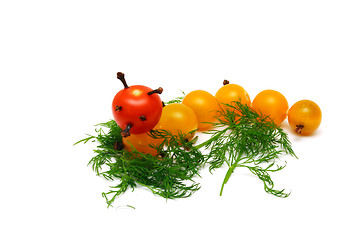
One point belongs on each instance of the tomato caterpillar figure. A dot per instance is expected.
(136, 109)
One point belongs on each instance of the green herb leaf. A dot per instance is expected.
(177, 99)
(247, 139)
(170, 175)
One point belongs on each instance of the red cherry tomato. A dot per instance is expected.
(136, 109)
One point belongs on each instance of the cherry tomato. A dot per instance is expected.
(271, 103)
(141, 142)
(205, 107)
(136, 109)
(178, 119)
(232, 92)
(304, 117)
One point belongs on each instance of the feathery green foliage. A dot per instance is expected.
(177, 99)
(169, 175)
(244, 138)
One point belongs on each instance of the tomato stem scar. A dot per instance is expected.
(226, 82)
(158, 90)
(299, 128)
(121, 77)
(126, 132)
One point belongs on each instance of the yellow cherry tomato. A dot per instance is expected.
(232, 92)
(205, 107)
(271, 103)
(178, 119)
(304, 117)
(141, 142)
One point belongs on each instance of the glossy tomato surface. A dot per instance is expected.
(205, 106)
(179, 119)
(136, 107)
(232, 92)
(304, 117)
(271, 103)
(142, 143)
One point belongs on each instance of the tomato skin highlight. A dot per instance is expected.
(205, 107)
(271, 103)
(133, 105)
(304, 117)
(232, 92)
(178, 119)
(141, 142)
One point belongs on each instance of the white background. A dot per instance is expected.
(58, 64)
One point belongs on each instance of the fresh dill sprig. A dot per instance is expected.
(170, 175)
(244, 138)
(107, 145)
(177, 99)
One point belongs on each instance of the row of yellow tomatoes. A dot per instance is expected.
(199, 109)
